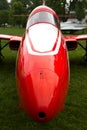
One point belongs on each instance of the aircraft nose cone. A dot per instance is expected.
(42, 94)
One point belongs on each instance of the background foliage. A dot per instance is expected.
(16, 12)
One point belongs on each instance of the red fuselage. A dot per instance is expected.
(42, 69)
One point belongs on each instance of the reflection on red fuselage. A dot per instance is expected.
(42, 82)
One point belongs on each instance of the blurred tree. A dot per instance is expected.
(80, 10)
(19, 11)
(4, 15)
(4, 5)
(79, 6)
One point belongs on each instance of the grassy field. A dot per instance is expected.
(74, 117)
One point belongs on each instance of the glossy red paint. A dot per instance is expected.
(42, 79)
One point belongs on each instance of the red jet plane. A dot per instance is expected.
(42, 69)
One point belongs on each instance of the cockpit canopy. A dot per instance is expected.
(43, 17)
(42, 32)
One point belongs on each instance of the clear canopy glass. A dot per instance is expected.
(42, 17)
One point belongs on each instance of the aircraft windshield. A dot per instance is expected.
(43, 17)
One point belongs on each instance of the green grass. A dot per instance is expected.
(74, 117)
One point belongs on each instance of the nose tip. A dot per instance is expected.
(42, 101)
(41, 115)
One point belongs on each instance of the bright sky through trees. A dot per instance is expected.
(8, 0)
